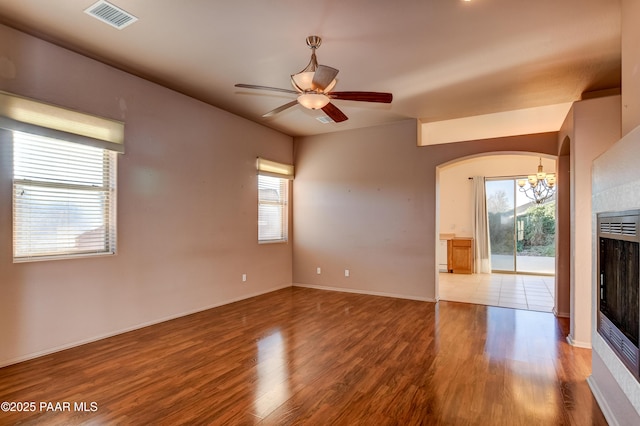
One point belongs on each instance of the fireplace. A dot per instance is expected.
(618, 267)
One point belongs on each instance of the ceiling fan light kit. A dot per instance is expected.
(303, 81)
(314, 85)
(313, 100)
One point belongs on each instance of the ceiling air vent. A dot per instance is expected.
(324, 119)
(110, 14)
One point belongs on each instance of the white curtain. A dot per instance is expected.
(482, 255)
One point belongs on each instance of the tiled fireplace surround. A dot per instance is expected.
(615, 187)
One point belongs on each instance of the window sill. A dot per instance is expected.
(272, 241)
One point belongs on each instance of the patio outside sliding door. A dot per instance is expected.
(522, 233)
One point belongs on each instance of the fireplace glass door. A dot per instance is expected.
(619, 285)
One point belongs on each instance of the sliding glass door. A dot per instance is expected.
(522, 233)
(500, 207)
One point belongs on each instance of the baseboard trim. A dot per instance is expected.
(578, 344)
(602, 402)
(38, 354)
(561, 314)
(370, 293)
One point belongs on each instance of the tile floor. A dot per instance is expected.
(529, 292)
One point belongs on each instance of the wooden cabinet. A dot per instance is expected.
(460, 255)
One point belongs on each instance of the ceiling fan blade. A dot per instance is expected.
(273, 89)
(380, 97)
(323, 76)
(334, 113)
(280, 109)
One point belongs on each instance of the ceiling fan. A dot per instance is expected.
(313, 86)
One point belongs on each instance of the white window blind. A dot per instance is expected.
(272, 209)
(22, 114)
(273, 200)
(64, 198)
(272, 168)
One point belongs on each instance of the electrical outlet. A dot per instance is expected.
(318, 270)
(244, 278)
(346, 272)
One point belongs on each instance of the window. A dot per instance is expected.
(63, 198)
(64, 179)
(273, 200)
(272, 209)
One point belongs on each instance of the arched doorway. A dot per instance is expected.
(514, 258)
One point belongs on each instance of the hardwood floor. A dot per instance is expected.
(303, 356)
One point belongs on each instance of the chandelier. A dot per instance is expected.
(538, 187)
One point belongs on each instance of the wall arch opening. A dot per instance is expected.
(453, 220)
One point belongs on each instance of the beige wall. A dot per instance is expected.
(187, 209)
(630, 65)
(360, 204)
(592, 126)
(366, 200)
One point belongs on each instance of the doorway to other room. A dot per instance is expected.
(521, 273)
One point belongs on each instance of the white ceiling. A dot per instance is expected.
(441, 59)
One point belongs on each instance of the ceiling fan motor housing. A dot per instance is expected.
(314, 41)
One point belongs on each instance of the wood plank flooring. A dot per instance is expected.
(308, 357)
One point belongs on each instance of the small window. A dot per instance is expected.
(64, 196)
(272, 209)
(273, 200)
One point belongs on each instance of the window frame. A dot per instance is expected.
(42, 119)
(282, 204)
(285, 173)
(107, 169)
